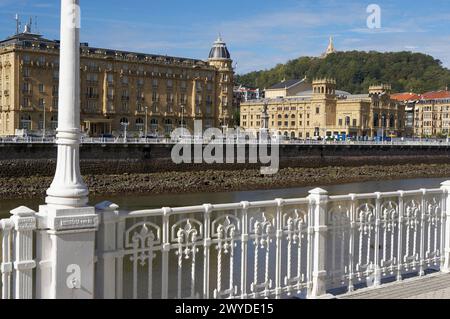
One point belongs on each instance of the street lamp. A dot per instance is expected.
(125, 125)
(146, 121)
(43, 127)
(383, 116)
(182, 116)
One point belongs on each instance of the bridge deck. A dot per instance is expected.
(436, 286)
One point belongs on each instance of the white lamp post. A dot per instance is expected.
(125, 125)
(43, 126)
(146, 121)
(68, 226)
(68, 188)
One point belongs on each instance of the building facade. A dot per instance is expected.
(432, 115)
(427, 114)
(119, 90)
(325, 112)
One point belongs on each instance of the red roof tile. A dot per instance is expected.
(436, 95)
(405, 97)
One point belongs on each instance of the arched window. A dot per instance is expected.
(139, 124)
(168, 126)
(392, 121)
(384, 120)
(376, 120)
(154, 125)
(286, 134)
(347, 120)
(293, 116)
(292, 135)
(124, 120)
(279, 116)
(286, 116)
(25, 122)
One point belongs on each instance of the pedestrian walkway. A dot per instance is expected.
(436, 286)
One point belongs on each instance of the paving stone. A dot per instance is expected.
(428, 287)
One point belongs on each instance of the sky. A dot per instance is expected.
(259, 34)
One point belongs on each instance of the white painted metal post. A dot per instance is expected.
(319, 201)
(244, 249)
(206, 250)
(279, 239)
(66, 238)
(6, 265)
(24, 220)
(376, 261)
(445, 268)
(107, 250)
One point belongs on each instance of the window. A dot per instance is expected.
(139, 124)
(168, 126)
(41, 103)
(125, 107)
(340, 122)
(41, 88)
(110, 78)
(125, 80)
(25, 122)
(124, 120)
(26, 102)
(54, 123)
(154, 125)
(355, 122)
(317, 110)
(92, 77)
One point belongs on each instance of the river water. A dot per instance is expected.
(135, 202)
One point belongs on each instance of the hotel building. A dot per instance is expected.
(119, 90)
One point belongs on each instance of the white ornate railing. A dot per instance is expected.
(277, 248)
(304, 247)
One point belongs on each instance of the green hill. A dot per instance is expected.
(355, 71)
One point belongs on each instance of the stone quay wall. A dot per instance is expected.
(21, 160)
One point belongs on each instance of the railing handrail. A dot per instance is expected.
(270, 203)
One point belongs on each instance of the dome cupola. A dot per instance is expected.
(219, 51)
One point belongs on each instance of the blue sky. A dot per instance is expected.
(259, 34)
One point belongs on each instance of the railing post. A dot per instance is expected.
(377, 225)
(446, 210)
(65, 248)
(107, 251)
(24, 220)
(319, 201)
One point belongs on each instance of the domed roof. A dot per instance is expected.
(219, 50)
